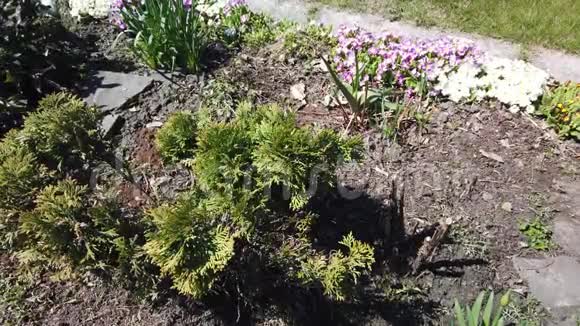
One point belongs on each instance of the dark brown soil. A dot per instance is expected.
(465, 167)
(145, 151)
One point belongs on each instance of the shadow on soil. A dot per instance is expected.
(262, 294)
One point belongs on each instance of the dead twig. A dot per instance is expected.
(381, 171)
(430, 245)
(468, 188)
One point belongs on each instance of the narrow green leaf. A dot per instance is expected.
(344, 89)
(500, 322)
(459, 317)
(476, 309)
(488, 310)
(469, 315)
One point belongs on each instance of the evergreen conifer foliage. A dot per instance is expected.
(61, 136)
(53, 222)
(176, 139)
(65, 227)
(21, 175)
(237, 164)
(263, 147)
(189, 245)
(340, 270)
(335, 272)
(63, 131)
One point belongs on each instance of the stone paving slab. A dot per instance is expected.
(111, 90)
(567, 221)
(553, 281)
(567, 235)
(564, 317)
(561, 65)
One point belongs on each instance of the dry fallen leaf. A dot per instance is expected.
(298, 91)
(505, 143)
(492, 156)
(507, 206)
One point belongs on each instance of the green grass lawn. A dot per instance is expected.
(548, 23)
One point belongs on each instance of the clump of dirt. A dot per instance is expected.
(133, 196)
(145, 151)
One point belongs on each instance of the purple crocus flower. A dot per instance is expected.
(403, 58)
(232, 4)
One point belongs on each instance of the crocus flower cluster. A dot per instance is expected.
(116, 7)
(387, 59)
(232, 4)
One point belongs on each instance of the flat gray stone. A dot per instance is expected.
(442, 118)
(561, 65)
(564, 317)
(109, 124)
(567, 235)
(292, 10)
(567, 221)
(553, 281)
(111, 90)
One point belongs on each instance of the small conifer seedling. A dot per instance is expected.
(21, 175)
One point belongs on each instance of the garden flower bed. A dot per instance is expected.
(257, 182)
